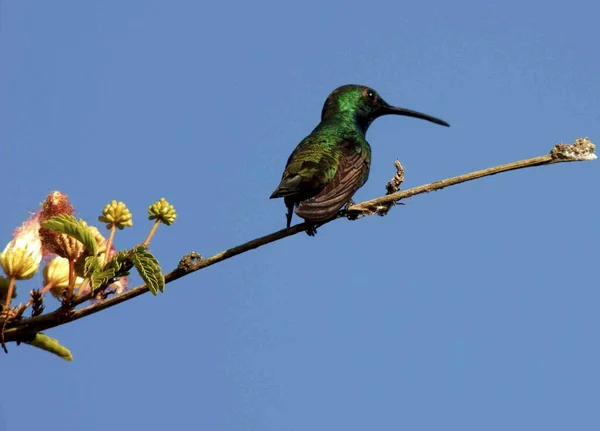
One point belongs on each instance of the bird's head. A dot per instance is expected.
(364, 105)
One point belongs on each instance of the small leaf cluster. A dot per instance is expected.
(90, 265)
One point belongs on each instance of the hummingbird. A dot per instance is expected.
(333, 162)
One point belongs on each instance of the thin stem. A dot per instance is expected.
(151, 234)
(9, 294)
(81, 287)
(6, 310)
(109, 243)
(22, 308)
(72, 278)
(46, 288)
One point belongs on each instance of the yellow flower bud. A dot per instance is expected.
(116, 214)
(163, 211)
(56, 273)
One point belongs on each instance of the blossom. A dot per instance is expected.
(56, 203)
(53, 242)
(22, 255)
(56, 277)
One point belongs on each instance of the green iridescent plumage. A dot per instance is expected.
(333, 162)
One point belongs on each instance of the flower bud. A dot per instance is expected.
(53, 242)
(162, 211)
(56, 273)
(22, 256)
(116, 214)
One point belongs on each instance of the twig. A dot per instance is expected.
(151, 234)
(393, 186)
(109, 243)
(6, 312)
(581, 150)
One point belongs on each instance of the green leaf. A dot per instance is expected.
(149, 269)
(121, 263)
(92, 265)
(100, 277)
(67, 224)
(42, 341)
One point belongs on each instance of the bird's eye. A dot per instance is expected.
(370, 95)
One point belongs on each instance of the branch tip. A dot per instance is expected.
(582, 149)
(394, 184)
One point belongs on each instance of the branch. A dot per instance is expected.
(581, 150)
(19, 330)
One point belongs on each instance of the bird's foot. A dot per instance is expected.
(349, 204)
(350, 215)
(311, 229)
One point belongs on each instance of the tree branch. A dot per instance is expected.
(581, 150)
(23, 329)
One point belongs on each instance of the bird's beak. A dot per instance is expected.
(386, 109)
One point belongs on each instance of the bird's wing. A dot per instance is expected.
(308, 170)
(352, 172)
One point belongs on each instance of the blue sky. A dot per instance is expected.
(470, 308)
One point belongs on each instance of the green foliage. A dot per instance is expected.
(149, 269)
(69, 225)
(92, 265)
(118, 266)
(99, 278)
(121, 263)
(42, 341)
